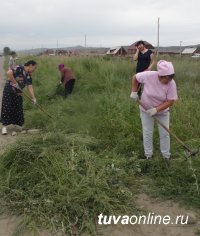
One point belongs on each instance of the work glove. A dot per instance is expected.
(34, 101)
(152, 111)
(134, 96)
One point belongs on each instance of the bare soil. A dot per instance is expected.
(144, 202)
(157, 207)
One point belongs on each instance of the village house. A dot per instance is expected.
(117, 51)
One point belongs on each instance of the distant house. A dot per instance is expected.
(62, 52)
(131, 49)
(49, 52)
(190, 51)
(117, 51)
(173, 50)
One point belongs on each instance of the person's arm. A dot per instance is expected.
(165, 105)
(151, 62)
(10, 63)
(171, 98)
(31, 92)
(134, 84)
(134, 94)
(62, 73)
(135, 56)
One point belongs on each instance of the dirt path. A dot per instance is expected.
(144, 202)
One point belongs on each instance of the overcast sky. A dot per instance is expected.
(26, 24)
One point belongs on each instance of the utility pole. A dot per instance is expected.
(57, 48)
(158, 34)
(180, 48)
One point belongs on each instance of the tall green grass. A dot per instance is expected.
(87, 160)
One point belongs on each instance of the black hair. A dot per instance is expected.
(31, 62)
(13, 53)
(169, 76)
(140, 42)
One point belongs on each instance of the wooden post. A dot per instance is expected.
(180, 48)
(158, 36)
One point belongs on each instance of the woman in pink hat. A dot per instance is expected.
(158, 95)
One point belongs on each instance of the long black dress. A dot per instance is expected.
(12, 100)
(144, 60)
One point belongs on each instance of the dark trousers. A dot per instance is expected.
(69, 86)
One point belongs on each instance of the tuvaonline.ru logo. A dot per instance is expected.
(150, 219)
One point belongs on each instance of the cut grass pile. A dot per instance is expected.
(60, 182)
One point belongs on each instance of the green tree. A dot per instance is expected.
(6, 51)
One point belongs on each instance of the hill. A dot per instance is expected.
(75, 49)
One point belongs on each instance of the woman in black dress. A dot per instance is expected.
(144, 58)
(12, 100)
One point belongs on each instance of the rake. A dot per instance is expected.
(192, 152)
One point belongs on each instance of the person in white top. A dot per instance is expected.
(158, 95)
(12, 61)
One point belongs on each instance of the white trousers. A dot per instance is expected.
(148, 128)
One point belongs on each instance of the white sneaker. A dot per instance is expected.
(4, 131)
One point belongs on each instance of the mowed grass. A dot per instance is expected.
(87, 160)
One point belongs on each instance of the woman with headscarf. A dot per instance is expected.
(67, 79)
